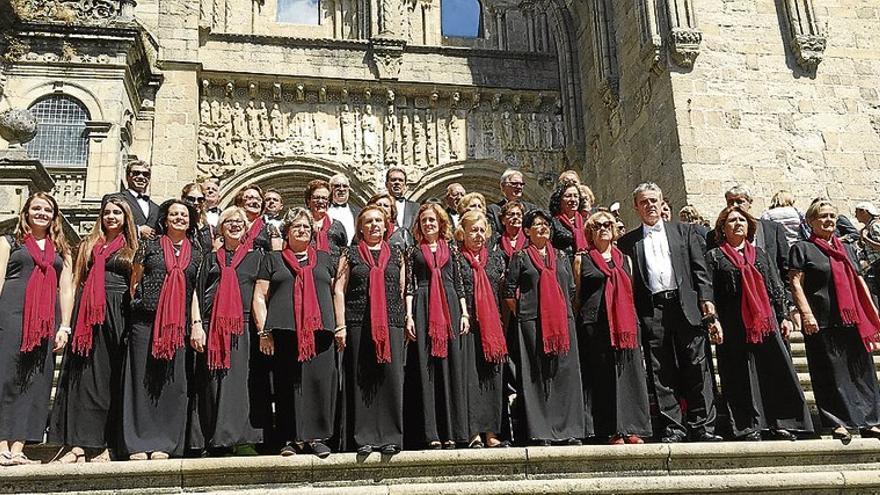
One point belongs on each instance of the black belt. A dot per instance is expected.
(665, 296)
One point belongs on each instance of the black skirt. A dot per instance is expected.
(485, 387)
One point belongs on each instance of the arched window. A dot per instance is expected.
(61, 139)
(299, 12)
(461, 18)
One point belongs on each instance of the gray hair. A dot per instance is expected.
(645, 187)
(293, 215)
(508, 174)
(340, 179)
(739, 190)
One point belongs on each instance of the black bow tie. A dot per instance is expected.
(343, 205)
(145, 197)
(214, 209)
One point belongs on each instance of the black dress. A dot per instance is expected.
(563, 239)
(484, 378)
(550, 385)
(373, 392)
(760, 386)
(155, 391)
(25, 378)
(436, 390)
(86, 409)
(221, 414)
(614, 380)
(305, 392)
(841, 369)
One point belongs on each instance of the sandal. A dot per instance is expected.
(102, 457)
(20, 459)
(5, 459)
(435, 445)
(139, 456)
(71, 457)
(476, 444)
(159, 456)
(449, 444)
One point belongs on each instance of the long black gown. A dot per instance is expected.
(841, 369)
(550, 385)
(373, 392)
(86, 409)
(221, 416)
(436, 390)
(155, 393)
(614, 380)
(305, 392)
(760, 386)
(484, 378)
(25, 378)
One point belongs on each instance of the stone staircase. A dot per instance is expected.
(809, 466)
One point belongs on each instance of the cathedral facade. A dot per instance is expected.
(695, 95)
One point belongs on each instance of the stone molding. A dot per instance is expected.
(387, 55)
(808, 50)
(808, 39)
(77, 11)
(684, 45)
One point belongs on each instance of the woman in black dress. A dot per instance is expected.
(568, 223)
(612, 364)
(400, 238)
(369, 299)
(85, 413)
(512, 238)
(330, 234)
(549, 375)
(293, 309)
(839, 322)
(193, 194)
(482, 274)
(36, 292)
(164, 311)
(221, 419)
(761, 387)
(437, 322)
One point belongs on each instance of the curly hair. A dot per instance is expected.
(556, 198)
(193, 217)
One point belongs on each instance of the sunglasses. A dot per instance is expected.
(194, 199)
(142, 173)
(604, 225)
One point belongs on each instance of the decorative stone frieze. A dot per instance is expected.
(684, 45)
(387, 54)
(77, 11)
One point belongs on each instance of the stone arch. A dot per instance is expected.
(477, 176)
(68, 88)
(289, 175)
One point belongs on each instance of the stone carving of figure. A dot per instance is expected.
(559, 133)
(431, 137)
(205, 112)
(489, 138)
(419, 140)
(406, 139)
(547, 134)
(225, 112)
(263, 119)
(392, 141)
(253, 121)
(256, 148)
(370, 135)
(215, 112)
(534, 142)
(347, 124)
(239, 154)
(472, 136)
(239, 129)
(506, 131)
(276, 119)
(391, 17)
(223, 146)
(206, 144)
(457, 139)
(520, 132)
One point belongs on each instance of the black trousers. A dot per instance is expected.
(679, 365)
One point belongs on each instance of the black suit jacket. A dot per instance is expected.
(410, 210)
(688, 252)
(151, 220)
(770, 237)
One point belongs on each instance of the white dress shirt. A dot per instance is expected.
(658, 259)
(212, 216)
(401, 206)
(342, 213)
(142, 201)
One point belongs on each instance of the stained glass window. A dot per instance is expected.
(61, 139)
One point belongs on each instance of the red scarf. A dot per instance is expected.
(391, 229)
(486, 306)
(439, 321)
(853, 301)
(577, 230)
(227, 314)
(93, 301)
(322, 240)
(169, 327)
(378, 300)
(518, 243)
(757, 314)
(552, 304)
(305, 298)
(619, 303)
(38, 322)
(252, 233)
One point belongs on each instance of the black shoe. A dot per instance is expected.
(288, 450)
(754, 436)
(783, 435)
(705, 436)
(674, 437)
(541, 443)
(869, 433)
(390, 449)
(844, 436)
(320, 449)
(365, 450)
(476, 444)
(572, 441)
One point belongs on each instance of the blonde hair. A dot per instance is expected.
(782, 198)
(467, 220)
(817, 204)
(56, 229)
(232, 211)
(462, 205)
(590, 226)
(442, 220)
(587, 194)
(129, 233)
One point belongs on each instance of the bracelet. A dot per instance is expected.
(263, 334)
(65, 329)
(196, 322)
(466, 316)
(340, 328)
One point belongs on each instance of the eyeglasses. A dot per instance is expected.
(516, 184)
(540, 223)
(233, 221)
(142, 173)
(340, 186)
(604, 225)
(321, 198)
(394, 180)
(195, 199)
(300, 226)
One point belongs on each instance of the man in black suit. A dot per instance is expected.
(512, 187)
(454, 193)
(340, 209)
(673, 295)
(395, 183)
(144, 211)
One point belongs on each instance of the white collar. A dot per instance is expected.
(657, 227)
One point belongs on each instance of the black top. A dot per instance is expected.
(727, 282)
(151, 257)
(420, 274)
(280, 304)
(209, 280)
(592, 291)
(336, 236)
(770, 236)
(817, 282)
(522, 275)
(357, 304)
(496, 270)
(562, 238)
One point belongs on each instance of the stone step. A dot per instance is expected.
(814, 466)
